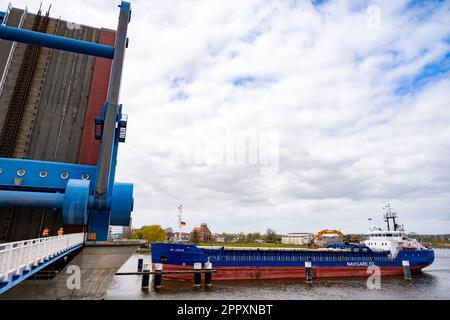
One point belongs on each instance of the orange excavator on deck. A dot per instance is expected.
(345, 239)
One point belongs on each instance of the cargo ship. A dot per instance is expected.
(387, 249)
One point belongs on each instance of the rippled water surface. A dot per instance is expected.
(434, 283)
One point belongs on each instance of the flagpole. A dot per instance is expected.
(180, 208)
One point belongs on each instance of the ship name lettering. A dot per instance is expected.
(360, 264)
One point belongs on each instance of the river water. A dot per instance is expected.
(434, 283)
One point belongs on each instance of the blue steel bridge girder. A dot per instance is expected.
(56, 42)
(87, 195)
(68, 187)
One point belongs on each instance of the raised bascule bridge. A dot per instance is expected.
(61, 123)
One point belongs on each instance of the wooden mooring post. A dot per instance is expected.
(406, 270)
(308, 272)
(197, 275)
(208, 275)
(157, 277)
(159, 272)
(145, 277)
(140, 264)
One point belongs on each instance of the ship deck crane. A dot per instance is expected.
(87, 195)
(344, 238)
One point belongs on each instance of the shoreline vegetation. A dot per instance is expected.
(146, 249)
(438, 245)
(155, 233)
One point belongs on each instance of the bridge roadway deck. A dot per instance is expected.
(98, 262)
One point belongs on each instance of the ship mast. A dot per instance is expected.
(390, 215)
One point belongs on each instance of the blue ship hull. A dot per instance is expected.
(266, 263)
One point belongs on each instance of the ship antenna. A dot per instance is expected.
(390, 215)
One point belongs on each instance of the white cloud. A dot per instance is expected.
(318, 75)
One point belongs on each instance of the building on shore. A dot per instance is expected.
(219, 239)
(203, 232)
(225, 237)
(181, 237)
(299, 238)
(127, 230)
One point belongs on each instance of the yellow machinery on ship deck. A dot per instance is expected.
(346, 239)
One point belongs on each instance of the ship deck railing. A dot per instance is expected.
(226, 248)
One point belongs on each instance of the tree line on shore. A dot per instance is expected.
(155, 233)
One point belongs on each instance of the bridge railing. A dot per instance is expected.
(16, 257)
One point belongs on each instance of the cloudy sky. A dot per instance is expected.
(293, 115)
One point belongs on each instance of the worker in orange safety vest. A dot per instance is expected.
(45, 232)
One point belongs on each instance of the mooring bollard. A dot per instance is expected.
(208, 274)
(406, 270)
(197, 274)
(140, 263)
(145, 277)
(308, 271)
(157, 278)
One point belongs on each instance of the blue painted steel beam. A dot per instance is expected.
(31, 199)
(56, 42)
(15, 280)
(110, 140)
(44, 175)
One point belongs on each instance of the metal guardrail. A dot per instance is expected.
(16, 257)
(8, 11)
(13, 48)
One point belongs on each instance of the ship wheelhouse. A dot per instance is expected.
(392, 241)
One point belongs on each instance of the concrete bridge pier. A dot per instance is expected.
(86, 276)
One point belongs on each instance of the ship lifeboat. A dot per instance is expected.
(409, 247)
